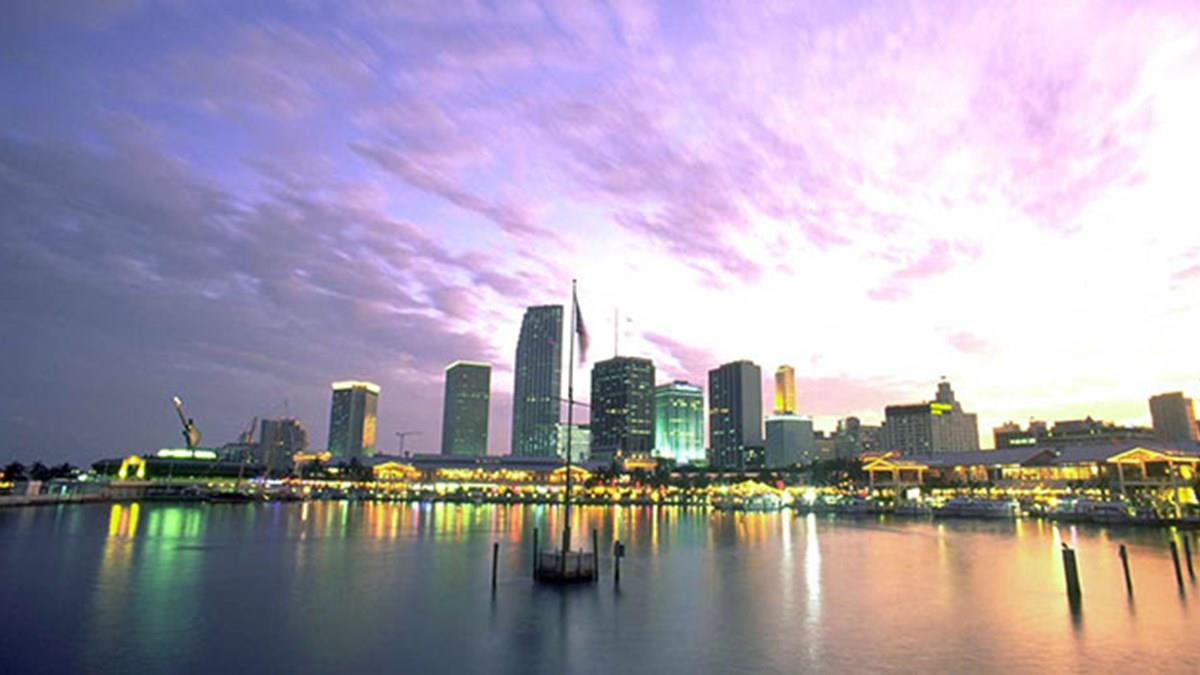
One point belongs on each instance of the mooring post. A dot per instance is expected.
(595, 554)
(1175, 559)
(618, 551)
(1187, 555)
(535, 551)
(495, 554)
(1125, 564)
(1071, 570)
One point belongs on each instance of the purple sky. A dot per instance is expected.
(240, 207)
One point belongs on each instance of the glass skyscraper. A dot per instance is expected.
(537, 383)
(352, 419)
(622, 414)
(679, 422)
(465, 408)
(735, 415)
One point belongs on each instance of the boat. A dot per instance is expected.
(913, 509)
(964, 507)
(1114, 512)
(856, 506)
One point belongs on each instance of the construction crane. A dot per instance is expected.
(191, 435)
(247, 436)
(403, 435)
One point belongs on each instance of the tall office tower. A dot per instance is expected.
(790, 441)
(679, 422)
(465, 408)
(1174, 418)
(278, 440)
(352, 419)
(936, 426)
(735, 415)
(622, 407)
(537, 383)
(785, 391)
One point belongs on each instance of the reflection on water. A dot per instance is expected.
(335, 586)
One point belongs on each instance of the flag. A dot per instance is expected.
(581, 331)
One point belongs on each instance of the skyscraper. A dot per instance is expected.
(679, 422)
(352, 419)
(935, 426)
(785, 391)
(537, 382)
(278, 440)
(1174, 418)
(735, 414)
(465, 408)
(622, 413)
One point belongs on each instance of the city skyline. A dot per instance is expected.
(361, 199)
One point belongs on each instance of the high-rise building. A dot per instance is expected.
(853, 438)
(679, 422)
(465, 408)
(581, 441)
(790, 441)
(1174, 418)
(785, 391)
(278, 440)
(935, 426)
(735, 415)
(352, 419)
(622, 412)
(537, 383)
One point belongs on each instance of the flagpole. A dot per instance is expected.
(570, 420)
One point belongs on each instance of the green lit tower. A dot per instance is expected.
(679, 422)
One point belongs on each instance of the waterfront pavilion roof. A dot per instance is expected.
(1042, 455)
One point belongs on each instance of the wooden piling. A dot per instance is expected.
(617, 563)
(596, 554)
(1071, 571)
(1125, 564)
(1175, 559)
(535, 551)
(495, 555)
(1187, 556)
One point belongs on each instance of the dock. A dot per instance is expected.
(555, 566)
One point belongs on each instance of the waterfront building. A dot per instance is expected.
(679, 422)
(352, 419)
(1088, 430)
(853, 438)
(790, 441)
(735, 415)
(465, 408)
(622, 407)
(537, 383)
(940, 425)
(785, 391)
(278, 440)
(1174, 418)
(581, 441)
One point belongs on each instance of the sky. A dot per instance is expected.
(239, 203)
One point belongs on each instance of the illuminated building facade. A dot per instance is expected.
(1174, 418)
(790, 441)
(581, 441)
(278, 440)
(465, 408)
(936, 426)
(785, 391)
(622, 413)
(352, 419)
(735, 415)
(537, 383)
(679, 422)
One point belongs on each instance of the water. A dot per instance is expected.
(344, 587)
